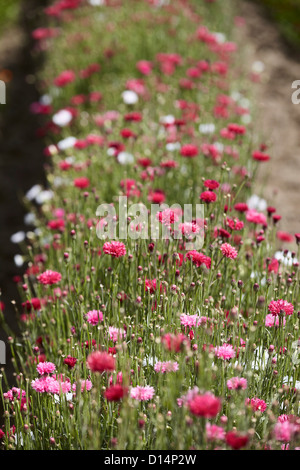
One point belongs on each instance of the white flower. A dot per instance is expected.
(18, 259)
(97, 3)
(33, 192)
(257, 203)
(130, 97)
(219, 146)
(125, 158)
(207, 128)
(44, 196)
(66, 143)
(246, 119)
(62, 118)
(30, 218)
(169, 119)
(220, 37)
(258, 66)
(18, 237)
(287, 259)
(172, 146)
(46, 99)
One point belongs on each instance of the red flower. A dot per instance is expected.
(115, 392)
(211, 184)
(81, 182)
(199, 258)
(278, 306)
(241, 207)
(189, 150)
(66, 77)
(208, 196)
(101, 362)
(70, 361)
(260, 156)
(174, 342)
(285, 237)
(207, 405)
(235, 440)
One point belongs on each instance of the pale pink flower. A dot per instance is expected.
(214, 432)
(237, 383)
(225, 352)
(167, 366)
(228, 251)
(45, 368)
(116, 334)
(142, 393)
(272, 320)
(85, 386)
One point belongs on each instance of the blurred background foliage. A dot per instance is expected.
(9, 11)
(286, 13)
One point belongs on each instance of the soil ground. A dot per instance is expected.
(278, 118)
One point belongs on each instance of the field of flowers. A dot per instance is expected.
(145, 341)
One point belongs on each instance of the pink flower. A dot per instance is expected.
(115, 249)
(225, 352)
(199, 258)
(85, 386)
(142, 393)
(189, 228)
(100, 362)
(49, 277)
(285, 431)
(228, 251)
(144, 66)
(192, 320)
(167, 217)
(47, 384)
(214, 432)
(66, 77)
(167, 366)
(281, 306)
(256, 217)
(272, 320)
(45, 368)
(256, 404)
(237, 383)
(94, 317)
(116, 334)
(207, 405)
(43, 384)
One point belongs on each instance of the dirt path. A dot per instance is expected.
(21, 153)
(279, 118)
